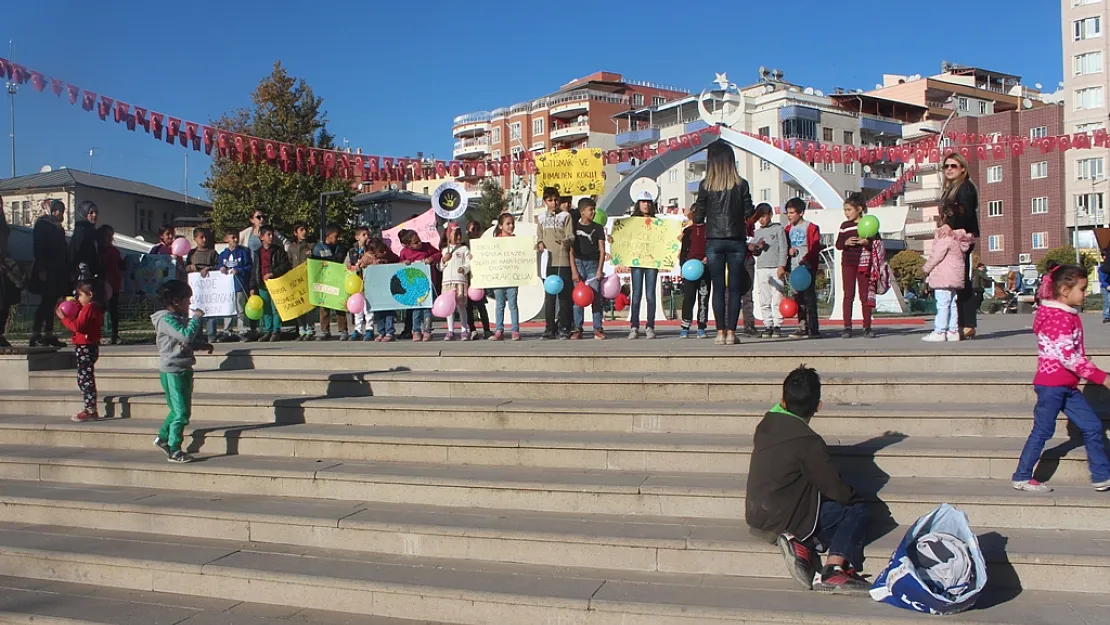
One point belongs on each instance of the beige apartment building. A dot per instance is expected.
(1086, 83)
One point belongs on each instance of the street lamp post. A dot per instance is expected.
(12, 88)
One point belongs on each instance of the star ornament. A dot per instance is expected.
(722, 80)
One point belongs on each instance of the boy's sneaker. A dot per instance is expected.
(836, 579)
(355, 336)
(868, 333)
(497, 336)
(846, 334)
(164, 446)
(684, 333)
(953, 337)
(1032, 486)
(765, 334)
(326, 336)
(180, 457)
(343, 336)
(1102, 486)
(634, 333)
(800, 334)
(516, 336)
(599, 334)
(935, 337)
(649, 333)
(576, 335)
(776, 332)
(84, 417)
(369, 336)
(801, 562)
(702, 334)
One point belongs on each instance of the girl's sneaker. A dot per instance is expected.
(516, 336)
(702, 334)
(369, 336)
(935, 337)
(388, 338)
(634, 333)
(599, 335)
(180, 457)
(649, 333)
(355, 336)
(683, 333)
(427, 337)
(953, 337)
(497, 336)
(416, 338)
(84, 416)
(465, 336)
(1033, 486)
(450, 336)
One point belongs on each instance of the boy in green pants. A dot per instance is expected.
(175, 340)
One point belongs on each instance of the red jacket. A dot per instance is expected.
(813, 244)
(86, 328)
(112, 262)
(693, 243)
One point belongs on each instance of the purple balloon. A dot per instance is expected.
(611, 287)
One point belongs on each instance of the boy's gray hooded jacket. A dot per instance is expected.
(175, 341)
(776, 245)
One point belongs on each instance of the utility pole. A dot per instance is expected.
(12, 88)
(92, 151)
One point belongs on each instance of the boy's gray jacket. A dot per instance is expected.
(776, 245)
(175, 341)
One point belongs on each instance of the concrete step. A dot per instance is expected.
(679, 417)
(462, 591)
(660, 356)
(26, 601)
(874, 388)
(892, 454)
(990, 503)
(1059, 560)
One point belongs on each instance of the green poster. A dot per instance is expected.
(326, 284)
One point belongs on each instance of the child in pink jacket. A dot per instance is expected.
(946, 270)
(1061, 364)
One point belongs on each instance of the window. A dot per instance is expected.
(497, 135)
(537, 127)
(496, 154)
(964, 105)
(1079, 3)
(1038, 170)
(672, 175)
(1090, 127)
(827, 134)
(849, 137)
(1040, 205)
(1087, 28)
(657, 100)
(1089, 63)
(764, 195)
(850, 169)
(994, 208)
(795, 128)
(994, 243)
(514, 130)
(1039, 132)
(1089, 169)
(764, 165)
(830, 168)
(1088, 204)
(994, 174)
(637, 99)
(1089, 98)
(982, 107)
(1040, 240)
(765, 131)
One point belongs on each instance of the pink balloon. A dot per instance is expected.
(444, 306)
(356, 304)
(611, 287)
(180, 247)
(69, 308)
(476, 294)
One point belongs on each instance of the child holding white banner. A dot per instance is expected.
(455, 266)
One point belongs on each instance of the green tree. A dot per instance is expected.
(1065, 255)
(283, 108)
(906, 266)
(492, 203)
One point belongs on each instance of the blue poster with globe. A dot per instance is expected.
(398, 286)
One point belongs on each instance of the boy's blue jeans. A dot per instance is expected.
(1051, 401)
(1105, 304)
(843, 530)
(587, 270)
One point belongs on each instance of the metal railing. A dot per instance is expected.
(471, 118)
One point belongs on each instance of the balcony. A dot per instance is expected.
(470, 148)
(876, 183)
(637, 137)
(578, 102)
(920, 229)
(570, 132)
(692, 186)
(471, 124)
(800, 112)
(923, 196)
(877, 126)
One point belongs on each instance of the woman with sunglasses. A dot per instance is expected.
(248, 237)
(959, 190)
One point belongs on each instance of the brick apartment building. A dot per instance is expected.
(1022, 201)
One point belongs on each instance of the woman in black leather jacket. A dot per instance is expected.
(724, 204)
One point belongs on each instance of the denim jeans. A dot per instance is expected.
(500, 298)
(729, 253)
(948, 317)
(421, 320)
(383, 322)
(643, 280)
(843, 530)
(239, 321)
(1051, 400)
(1106, 304)
(587, 270)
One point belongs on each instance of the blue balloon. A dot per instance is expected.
(553, 285)
(800, 278)
(693, 269)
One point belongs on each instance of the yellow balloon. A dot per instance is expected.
(254, 302)
(353, 284)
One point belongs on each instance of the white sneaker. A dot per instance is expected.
(953, 337)
(633, 333)
(934, 337)
(1102, 486)
(650, 333)
(1033, 486)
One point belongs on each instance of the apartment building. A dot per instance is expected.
(578, 115)
(1086, 83)
(777, 109)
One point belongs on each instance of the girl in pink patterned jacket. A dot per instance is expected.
(1061, 364)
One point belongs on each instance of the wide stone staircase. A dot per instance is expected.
(591, 483)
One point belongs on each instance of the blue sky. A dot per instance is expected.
(394, 74)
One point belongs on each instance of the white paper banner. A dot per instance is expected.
(215, 295)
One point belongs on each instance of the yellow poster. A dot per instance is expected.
(502, 262)
(650, 242)
(290, 293)
(573, 172)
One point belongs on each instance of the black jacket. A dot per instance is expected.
(51, 256)
(790, 471)
(724, 213)
(279, 266)
(967, 218)
(85, 250)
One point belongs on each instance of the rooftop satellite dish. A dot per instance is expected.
(866, 169)
(859, 90)
(1026, 103)
(1038, 86)
(45, 168)
(393, 187)
(808, 91)
(793, 90)
(763, 71)
(878, 86)
(819, 93)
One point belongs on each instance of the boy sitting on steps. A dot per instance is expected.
(796, 498)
